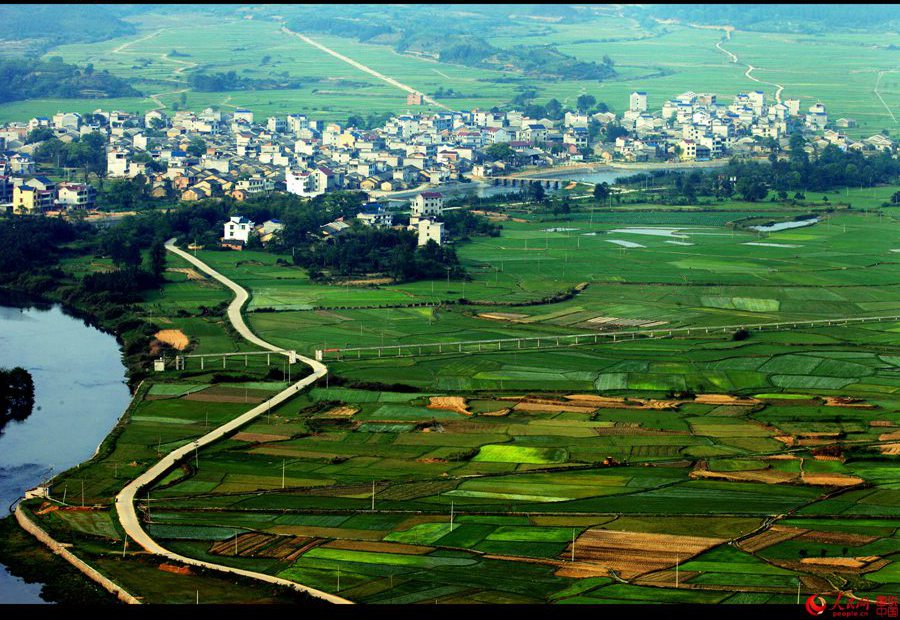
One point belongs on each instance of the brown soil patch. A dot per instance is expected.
(838, 538)
(666, 578)
(846, 401)
(224, 394)
(613, 402)
(892, 436)
(831, 480)
(173, 337)
(561, 407)
(379, 547)
(192, 274)
(852, 563)
(890, 449)
(457, 404)
(366, 282)
(172, 568)
(326, 532)
(772, 536)
(341, 412)
(788, 440)
(503, 316)
(259, 437)
(46, 508)
(498, 413)
(724, 399)
(886, 423)
(630, 553)
(767, 476)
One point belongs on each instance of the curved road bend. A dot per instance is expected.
(125, 499)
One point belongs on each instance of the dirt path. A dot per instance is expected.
(366, 69)
(125, 500)
(183, 66)
(880, 98)
(733, 57)
(728, 30)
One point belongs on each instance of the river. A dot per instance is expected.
(597, 174)
(80, 393)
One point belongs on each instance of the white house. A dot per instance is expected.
(238, 228)
(638, 101)
(431, 231)
(428, 204)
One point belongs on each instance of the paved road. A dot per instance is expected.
(366, 69)
(125, 508)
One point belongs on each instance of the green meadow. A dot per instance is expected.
(665, 60)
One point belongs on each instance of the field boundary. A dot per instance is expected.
(553, 341)
(125, 500)
(59, 549)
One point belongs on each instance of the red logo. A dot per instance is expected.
(815, 605)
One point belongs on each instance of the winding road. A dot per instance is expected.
(125, 508)
(733, 57)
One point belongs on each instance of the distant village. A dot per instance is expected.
(243, 156)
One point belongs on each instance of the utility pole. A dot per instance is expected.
(339, 579)
(82, 492)
(235, 543)
(282, 472)
(373, 496)
(573, 544)
(676, 571)
(798, 590)
(451, 516)
(148, 506)
(125, 546)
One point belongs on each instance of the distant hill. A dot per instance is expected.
(29, 78)
(795, 18)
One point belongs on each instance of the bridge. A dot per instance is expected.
(514, 181)
(180, 362)
(570, 340)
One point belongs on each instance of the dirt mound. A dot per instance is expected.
(172, 568)
(173, 337)
(457, 404)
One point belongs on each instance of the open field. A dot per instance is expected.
(664, 60)
(675, 447)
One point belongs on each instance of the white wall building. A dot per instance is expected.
(238, 228)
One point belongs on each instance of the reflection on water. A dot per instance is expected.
(79, 394)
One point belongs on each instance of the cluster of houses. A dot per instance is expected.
(427, 209)
(192, 156)
(695, 126)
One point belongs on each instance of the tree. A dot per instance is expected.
(601, 191)
(197, 147)
(895, 198)
(536, 191)
(585, 102)
(499, 151)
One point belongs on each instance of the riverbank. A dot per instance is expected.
(33, 563)
(69, 421)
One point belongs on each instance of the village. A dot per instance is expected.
(189, 157)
